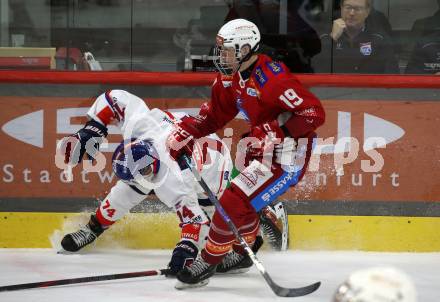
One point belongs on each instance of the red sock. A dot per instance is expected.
(220, 237)
(249, 234)
(105, 223)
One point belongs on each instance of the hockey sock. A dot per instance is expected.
(220, 237)
(101, 220)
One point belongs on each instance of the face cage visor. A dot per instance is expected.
(227, 60)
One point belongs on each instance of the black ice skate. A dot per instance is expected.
(235, 263)
(75, 241)
(196, 275)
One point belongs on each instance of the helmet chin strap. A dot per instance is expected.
(247, 56)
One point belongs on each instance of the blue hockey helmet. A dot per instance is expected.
(135, 157)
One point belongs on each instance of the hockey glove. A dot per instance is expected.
(265, 139)
(184, 255)
(85, 140)
(180, 142)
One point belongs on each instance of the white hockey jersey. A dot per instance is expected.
(175, 188)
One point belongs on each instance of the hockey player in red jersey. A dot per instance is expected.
(282, 115)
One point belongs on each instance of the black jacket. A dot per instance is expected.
(425, 59)
(370, 52)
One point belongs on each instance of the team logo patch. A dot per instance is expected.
(260, 76)
(227, 84)
(275, 67)
(251, 92)
(366, 48)
(252, 178)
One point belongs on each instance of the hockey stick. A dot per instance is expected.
(278, 290)
(83, 280)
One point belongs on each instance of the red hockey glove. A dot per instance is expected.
(266, 138)
(180, 142)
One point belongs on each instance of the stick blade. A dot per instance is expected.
(294, 292)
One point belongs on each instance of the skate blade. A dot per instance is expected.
(180, 285)
(64, 252)
(235, 271)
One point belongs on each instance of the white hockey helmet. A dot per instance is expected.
(378, 284)
(235, 35)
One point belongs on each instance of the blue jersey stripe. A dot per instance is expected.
(275, 189)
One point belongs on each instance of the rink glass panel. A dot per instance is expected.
(169, 35)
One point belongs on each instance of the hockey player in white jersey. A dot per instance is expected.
(142, 164)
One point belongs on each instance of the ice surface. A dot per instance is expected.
(289, 269)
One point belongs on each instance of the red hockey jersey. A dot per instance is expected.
(270, 93)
